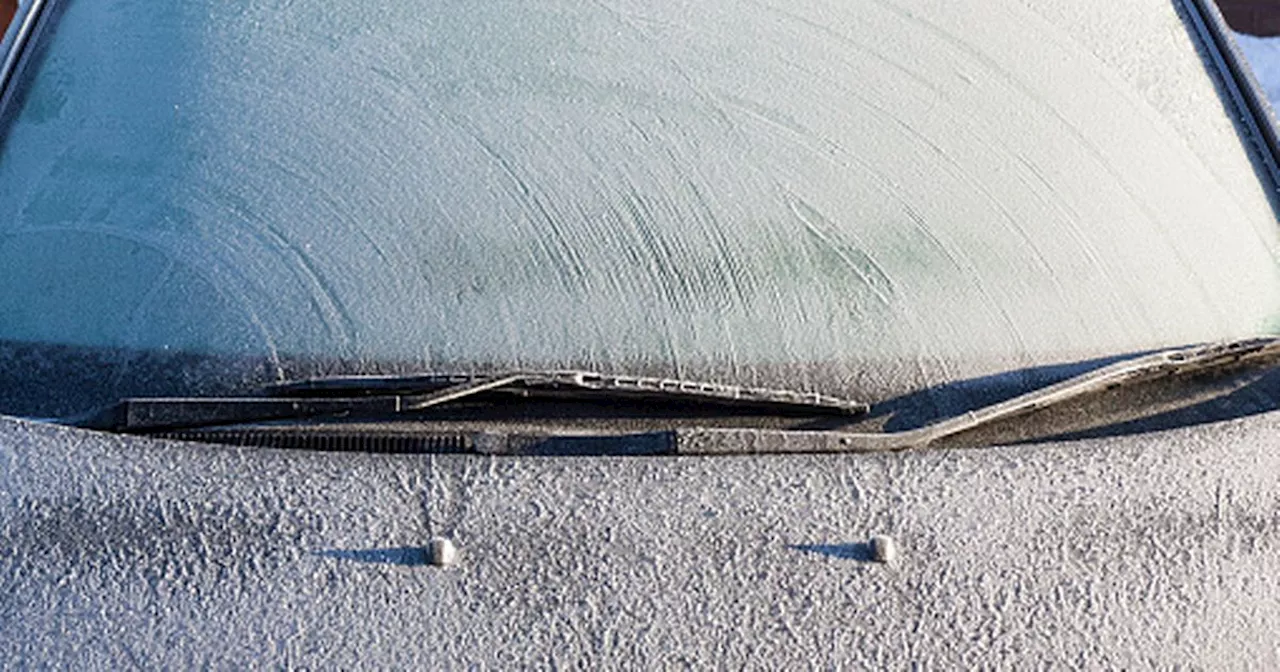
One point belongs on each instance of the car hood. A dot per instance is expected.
(1155, 549)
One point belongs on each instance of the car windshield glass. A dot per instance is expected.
(862, 199)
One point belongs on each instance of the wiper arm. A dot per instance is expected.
(1146, 367)
(391, 396)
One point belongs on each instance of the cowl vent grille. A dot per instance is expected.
(361, 442)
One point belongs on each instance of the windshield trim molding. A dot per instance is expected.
(1241, 85)
(18, 40)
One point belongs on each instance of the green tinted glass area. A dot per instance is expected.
(878, 194)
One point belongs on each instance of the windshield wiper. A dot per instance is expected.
(380, 398)
(393, 397)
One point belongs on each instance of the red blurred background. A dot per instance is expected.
(1256, 17)
(7, 8)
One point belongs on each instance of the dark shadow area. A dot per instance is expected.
(860, 552)
(45, 380)
(404, 556)
(917, 409)
(1163, 402)
(1260, 395)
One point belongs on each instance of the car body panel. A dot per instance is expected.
(1152, 550)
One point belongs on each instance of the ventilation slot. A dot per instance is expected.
(346, 442)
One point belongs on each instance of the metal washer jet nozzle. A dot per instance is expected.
(441, 552)
(883, 549)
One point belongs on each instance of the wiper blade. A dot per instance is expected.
(391, 396)
(573, 385)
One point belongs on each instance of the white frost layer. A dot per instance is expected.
(1149, 550)
(923, 190)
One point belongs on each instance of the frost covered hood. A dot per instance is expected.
(1153, 550)
(870, 195)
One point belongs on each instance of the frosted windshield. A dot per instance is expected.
(877, 194)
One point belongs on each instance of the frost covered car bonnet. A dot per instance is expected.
(846, 196)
